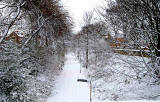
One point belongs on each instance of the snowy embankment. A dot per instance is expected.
(123, 78)
(67, 89)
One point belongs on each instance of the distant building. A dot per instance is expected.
(116, 42)
(15, 37)
(122, 42)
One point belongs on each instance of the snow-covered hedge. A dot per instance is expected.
(28, 68)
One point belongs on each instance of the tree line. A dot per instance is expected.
(42, 28)
(138, 21)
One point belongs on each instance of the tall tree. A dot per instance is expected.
(139, 20)
(44, 26)
(88, 16)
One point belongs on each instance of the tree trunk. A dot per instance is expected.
(87, 53)
(158, 46)
(46, 41)
(158, 39)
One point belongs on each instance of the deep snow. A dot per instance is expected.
(67, 88)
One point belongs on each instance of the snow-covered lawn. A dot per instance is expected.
(67, 88)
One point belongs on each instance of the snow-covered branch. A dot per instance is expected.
(12, 22)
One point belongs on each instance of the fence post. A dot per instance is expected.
(90, 91)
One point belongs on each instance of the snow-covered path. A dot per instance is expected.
(67, 87)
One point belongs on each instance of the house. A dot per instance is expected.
(122, 42)
(117, 42)
(15, 37)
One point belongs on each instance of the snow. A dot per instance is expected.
(131, 50)
(119, 81)
(67, 88)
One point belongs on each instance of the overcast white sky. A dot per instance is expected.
(77, 8)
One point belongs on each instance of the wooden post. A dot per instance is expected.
(80, 64)
(80, 68)
(90, 91)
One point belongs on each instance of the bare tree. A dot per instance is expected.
(88, 17)
(45, 26)
(87, 20)
(138, 20)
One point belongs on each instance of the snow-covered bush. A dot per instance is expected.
(28, 67)
(120, 79)
(114, 76)
(138, 22)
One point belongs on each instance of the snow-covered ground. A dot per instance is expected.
(123, 79)
(67, 88)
